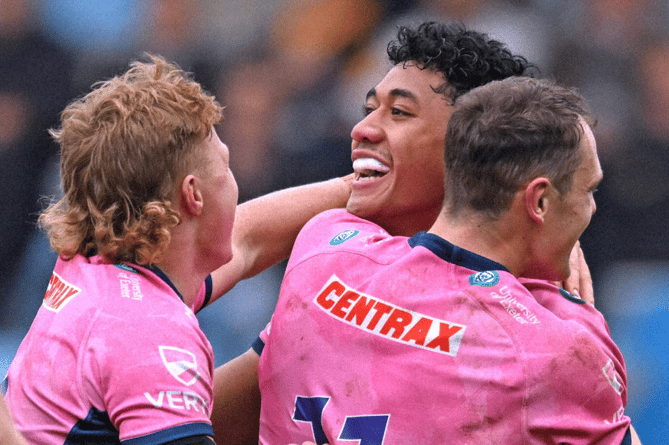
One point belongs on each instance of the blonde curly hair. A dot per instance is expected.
(124, 147)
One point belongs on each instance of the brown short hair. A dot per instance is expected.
(124, 147)
(504, 134)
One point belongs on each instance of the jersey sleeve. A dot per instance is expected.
(153, 378)
(575, 390)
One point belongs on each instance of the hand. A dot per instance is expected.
(579, 282)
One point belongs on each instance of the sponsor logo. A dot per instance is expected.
(611, 375)
(343, 237)
(516, 309)
(384, 319)
(180, 363)
(181, 400)
(58, 293)
(488, 278)
(130, 286)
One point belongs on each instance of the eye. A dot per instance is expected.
(367, 109)
(398, 112)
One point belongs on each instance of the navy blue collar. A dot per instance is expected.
(208, 284)
(155, 269)
(454, 254)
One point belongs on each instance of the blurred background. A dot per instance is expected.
(293, 75)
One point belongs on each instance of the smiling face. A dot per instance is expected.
(398, 152)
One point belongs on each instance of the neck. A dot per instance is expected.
(496, 240)
(410, 225)
(183, 265)
(186, 280)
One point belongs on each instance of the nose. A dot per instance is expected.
(367, 130)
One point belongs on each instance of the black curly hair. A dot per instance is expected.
(467, 59)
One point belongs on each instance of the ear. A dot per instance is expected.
(537, 199)
(191, 195)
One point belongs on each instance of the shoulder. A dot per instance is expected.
(335, 230)
(335, 219)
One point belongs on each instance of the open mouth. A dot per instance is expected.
(367, 169)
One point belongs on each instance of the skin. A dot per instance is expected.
(573, 212)
(535, 237)
(404, 129)
(8, 434)
(207, 198)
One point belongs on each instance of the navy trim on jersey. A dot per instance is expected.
(96, 428)
(571, 297)
(258, 346)
(454, 254)
(209, 285)
(196, 431)
(155, 269)
(627, 440)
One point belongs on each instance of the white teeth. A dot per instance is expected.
(369, 166)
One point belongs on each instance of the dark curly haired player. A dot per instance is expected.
(416, 340)
(398, 158)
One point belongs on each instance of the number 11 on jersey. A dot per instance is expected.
(368, 430)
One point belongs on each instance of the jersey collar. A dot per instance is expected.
(155, 269)
(454, 254)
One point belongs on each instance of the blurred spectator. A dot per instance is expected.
(633, 200)
(96, 28)
(313, 40)
(35, 84)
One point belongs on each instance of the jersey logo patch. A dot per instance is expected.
(343, 237)
(488, 278)
(386, 320)
(180, 363)
(58, 293)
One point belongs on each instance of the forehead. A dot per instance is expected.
(411, 82)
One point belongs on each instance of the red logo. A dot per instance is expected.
(58, 293)
(387, 320)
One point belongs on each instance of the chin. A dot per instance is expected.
(224, 259)
(360, 208)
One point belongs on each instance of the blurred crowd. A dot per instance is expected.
(292, 75)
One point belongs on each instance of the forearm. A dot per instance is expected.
(236, 413)
(8, 433)
(265, 228)
(635, 437)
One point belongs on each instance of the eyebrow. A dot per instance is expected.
(395, 92)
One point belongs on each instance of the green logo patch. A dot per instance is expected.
(126, 268)
(488, 278)
(343, 237)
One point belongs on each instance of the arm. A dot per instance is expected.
(635, 436)
(266, 227)
(8, 434)
(236, 413)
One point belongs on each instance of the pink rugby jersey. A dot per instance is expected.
(113, 356)
(395, 341)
